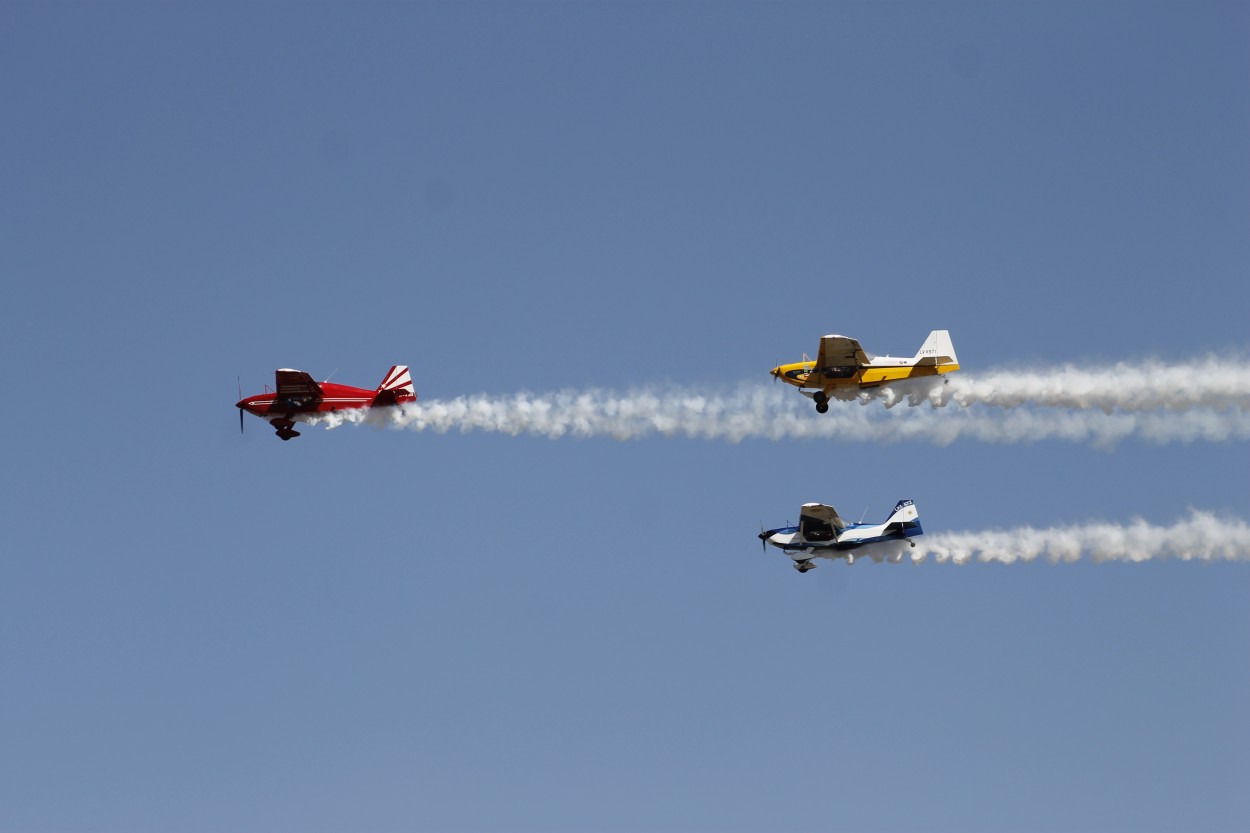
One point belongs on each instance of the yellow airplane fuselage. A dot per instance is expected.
(800, 375)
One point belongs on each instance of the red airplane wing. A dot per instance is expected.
(296, 386)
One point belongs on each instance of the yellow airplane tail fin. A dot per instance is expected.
(937, 349)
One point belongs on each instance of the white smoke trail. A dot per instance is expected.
(1209, 382)
(1201, 537)
(775, 414)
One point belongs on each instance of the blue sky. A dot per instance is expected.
(372, 630)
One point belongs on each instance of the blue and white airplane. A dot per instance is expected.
(822, 533)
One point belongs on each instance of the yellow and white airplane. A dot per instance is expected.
(842, 368)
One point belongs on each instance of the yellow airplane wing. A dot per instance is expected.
(837, 354)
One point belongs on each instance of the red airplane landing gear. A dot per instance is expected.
(284, 428)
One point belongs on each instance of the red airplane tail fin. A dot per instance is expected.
(396, 387)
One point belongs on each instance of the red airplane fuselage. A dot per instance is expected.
(299, 398)
(334, 398)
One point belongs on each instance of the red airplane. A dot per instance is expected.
(299, 398)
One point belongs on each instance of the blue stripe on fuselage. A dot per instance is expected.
(909, 531)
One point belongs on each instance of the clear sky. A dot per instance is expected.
(366, 630)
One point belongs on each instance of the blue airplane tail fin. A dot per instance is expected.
(905, 519)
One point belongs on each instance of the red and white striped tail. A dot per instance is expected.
(399, 383)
